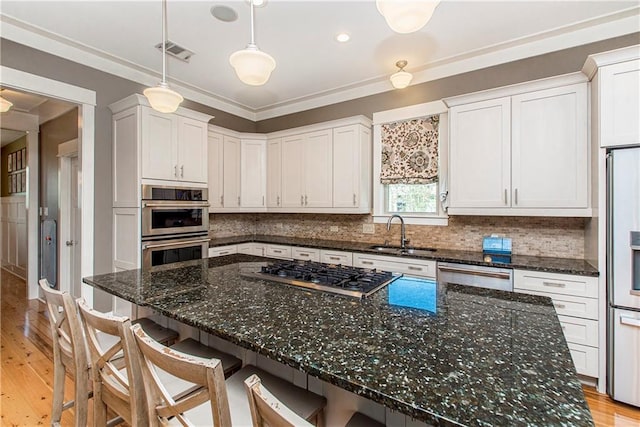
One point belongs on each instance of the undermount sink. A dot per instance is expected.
(397, 250)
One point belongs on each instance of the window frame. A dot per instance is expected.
(380, 213)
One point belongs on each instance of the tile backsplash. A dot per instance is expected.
(539, 236)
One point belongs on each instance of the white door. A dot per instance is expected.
(192, 150)
(318, 169)
(620, 104)
(292, 171)
(253, 165)
(159, 145)
(549, 162)
(274, 173)
(69, 243)
(75, 241)
(480, 155)
(346, 166)
(215, 170)
(231, 181)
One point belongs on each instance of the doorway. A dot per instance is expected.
(69, 242)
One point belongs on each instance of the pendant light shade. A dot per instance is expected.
(401, 78)
(252, 66)
(407, 16)
(161, 97)
(5, 105)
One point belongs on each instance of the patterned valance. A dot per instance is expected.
(410, 151)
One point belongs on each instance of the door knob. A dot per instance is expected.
(70, 243)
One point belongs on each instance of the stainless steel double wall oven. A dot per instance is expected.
(175, 224)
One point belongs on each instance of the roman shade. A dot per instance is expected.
(410, 151)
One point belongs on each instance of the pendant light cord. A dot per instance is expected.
(164, 41)
(252, 43)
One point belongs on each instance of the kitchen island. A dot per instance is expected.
(467, 356)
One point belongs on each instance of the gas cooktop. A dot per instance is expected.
(339, 279)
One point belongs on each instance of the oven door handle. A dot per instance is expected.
(181, 243)
(175, 205)
(491, 274)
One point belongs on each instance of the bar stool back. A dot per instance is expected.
(69, 352)
(267, 410)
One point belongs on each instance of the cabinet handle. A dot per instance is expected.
(516, 196)
(304, 254)
(505, 196)
(175, 171)
(411, 267)
(366, 262)
(278, 201)
(305, 200)
(221, 200)
(262, 200)
(625, 320)
(224, 253)
(335, 258)
(301, 200)
(238, 200)
(560, 306)
(554, 284)
(277, 251)
(354, 199)
(182, 171)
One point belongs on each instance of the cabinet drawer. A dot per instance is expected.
(256, 249)
(567, 305)
(580, 331)
(336, 257)
(585, 359)
(278, 251)
(564, 284)
(223, 250)
(305, 254)
(396, 265)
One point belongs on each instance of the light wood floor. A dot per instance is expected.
(26, 376)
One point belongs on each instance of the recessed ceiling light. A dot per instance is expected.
(343, 37)
(224, 13)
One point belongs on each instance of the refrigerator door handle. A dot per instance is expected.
(630, 321)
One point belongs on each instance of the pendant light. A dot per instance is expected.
(401, 78)
(252, 66)
(161, 97)
(407, 16)
(5, 105)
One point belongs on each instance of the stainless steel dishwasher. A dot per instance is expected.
(476, 275)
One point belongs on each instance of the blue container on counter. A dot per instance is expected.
(496, 249)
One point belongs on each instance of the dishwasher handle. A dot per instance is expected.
(492, 274)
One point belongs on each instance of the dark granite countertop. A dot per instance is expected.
(524, 262)
(476, 357)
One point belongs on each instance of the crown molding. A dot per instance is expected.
(598, 60)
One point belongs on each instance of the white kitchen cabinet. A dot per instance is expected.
(307, 170)
(277, 251)
(217, 251)
(253, 172)
(336, 257)
(231, 172)
(480, 155)
(174, 148)
(351, 176)
(620, 104)
(274, 173)
(216, 170)
(409, 267)
(13, 234)
(522, 150)
(252, 248)
(575, 299)
(305, 254)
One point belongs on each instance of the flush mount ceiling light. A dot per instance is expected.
(406, 16)
(252, 66)
(401, 78)
(343, 37)
(161, 97)
(5, 105)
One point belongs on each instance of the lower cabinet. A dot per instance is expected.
(277, 251)
(575, 299)
(252, 248)
(336, 257)
(305, 254)
(410, 267)
(223, 250)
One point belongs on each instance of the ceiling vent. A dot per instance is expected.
(176, 51)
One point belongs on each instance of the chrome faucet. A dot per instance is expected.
(403, 236)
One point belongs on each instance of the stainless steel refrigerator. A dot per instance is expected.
(623, 274)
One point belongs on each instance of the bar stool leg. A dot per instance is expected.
(58, 390)
(81, 397)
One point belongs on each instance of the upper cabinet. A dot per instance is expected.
(351, 175)
(274, 173)
(156, 148)
(615, 95)
(524, 151)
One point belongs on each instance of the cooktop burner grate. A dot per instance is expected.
(345, 280)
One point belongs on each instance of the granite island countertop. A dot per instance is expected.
(476, 357)
(526, 262)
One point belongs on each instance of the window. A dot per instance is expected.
(410, 159)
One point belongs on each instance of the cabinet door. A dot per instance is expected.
(274, 173)
(479, 156)
(292, 172)
(346, 167)
(620, 104)
(159, 145)
(215, 169)
(549, 165)
(318, 170)
(192, 150)
(231, 180)
(253, 165)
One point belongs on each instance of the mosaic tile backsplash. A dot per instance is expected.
(537, 236)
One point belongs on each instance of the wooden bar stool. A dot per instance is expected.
(230, 364)
(267, 410)
(69, 352)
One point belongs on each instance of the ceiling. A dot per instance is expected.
(313, 69)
